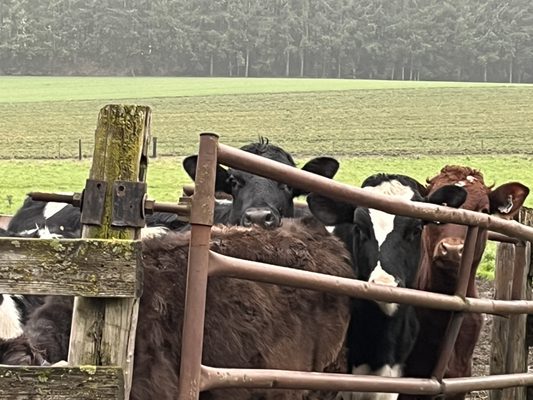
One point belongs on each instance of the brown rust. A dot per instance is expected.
(202, 212)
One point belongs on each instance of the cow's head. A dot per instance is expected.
(258, 200)
(443, 244)
(385, 248)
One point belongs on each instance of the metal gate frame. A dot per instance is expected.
(195, 377)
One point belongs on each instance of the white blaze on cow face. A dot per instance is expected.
(381, 277)
(10, 325)
(382, 222)
(383, 225)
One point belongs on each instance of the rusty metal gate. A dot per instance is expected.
(195, 377)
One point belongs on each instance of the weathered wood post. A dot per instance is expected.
(509, 346)
(103, 330)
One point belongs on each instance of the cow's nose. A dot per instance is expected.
(260, 216)
(450, 249)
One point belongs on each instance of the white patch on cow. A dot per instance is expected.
(381, 277)
(154, 232)
(223, 201)
(29, 232)
(471, 178)
(330, 229)
(10, 325)
(45, 233)
(364, 369)
(382, 222)
(460, 183)
(52, 208)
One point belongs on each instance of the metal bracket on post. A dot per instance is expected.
(92, 202)
(128, 204)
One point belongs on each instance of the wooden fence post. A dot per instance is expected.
(509, 346)
(103, 330)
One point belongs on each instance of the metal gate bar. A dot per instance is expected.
(225, 378)
(201, 219)
(194, 377)
(305, 180)
(255, 271)
(473, 235)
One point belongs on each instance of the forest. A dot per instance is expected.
(456, 40)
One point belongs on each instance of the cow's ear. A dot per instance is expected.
(507, 199)
(328, 211)
(449, 195)
(221, 184)
(323, 166)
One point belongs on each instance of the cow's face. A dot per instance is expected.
(443, 244)
(258, 200)
(385, 248)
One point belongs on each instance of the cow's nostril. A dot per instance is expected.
(246, 221)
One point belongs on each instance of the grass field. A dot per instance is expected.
(413, 128)
(45, 117)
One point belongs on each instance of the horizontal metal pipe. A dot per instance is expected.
(314, 183)
(56, 197)
(220, 265)
(461, 385)
(225, 378)
(498, 237)
(172, 208)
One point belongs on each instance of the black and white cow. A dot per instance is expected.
(258, 200)
(15, 348)
(385, 250)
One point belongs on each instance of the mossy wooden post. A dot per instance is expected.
(103, 331)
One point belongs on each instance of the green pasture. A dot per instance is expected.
(45, 117)
(14, 89)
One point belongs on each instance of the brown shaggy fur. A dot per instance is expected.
(248, 324)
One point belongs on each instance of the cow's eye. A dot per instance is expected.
(234, 183)
(360, 234)
(283, 187)
(414, 232)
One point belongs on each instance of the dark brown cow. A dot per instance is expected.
(442, 247)
(248, 324)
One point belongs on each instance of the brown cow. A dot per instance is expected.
(442, 247)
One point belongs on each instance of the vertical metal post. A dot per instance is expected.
(80, 155)
(154, 147)
(456, 318)
(201, 219)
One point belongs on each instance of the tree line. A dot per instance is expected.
(463, 40)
